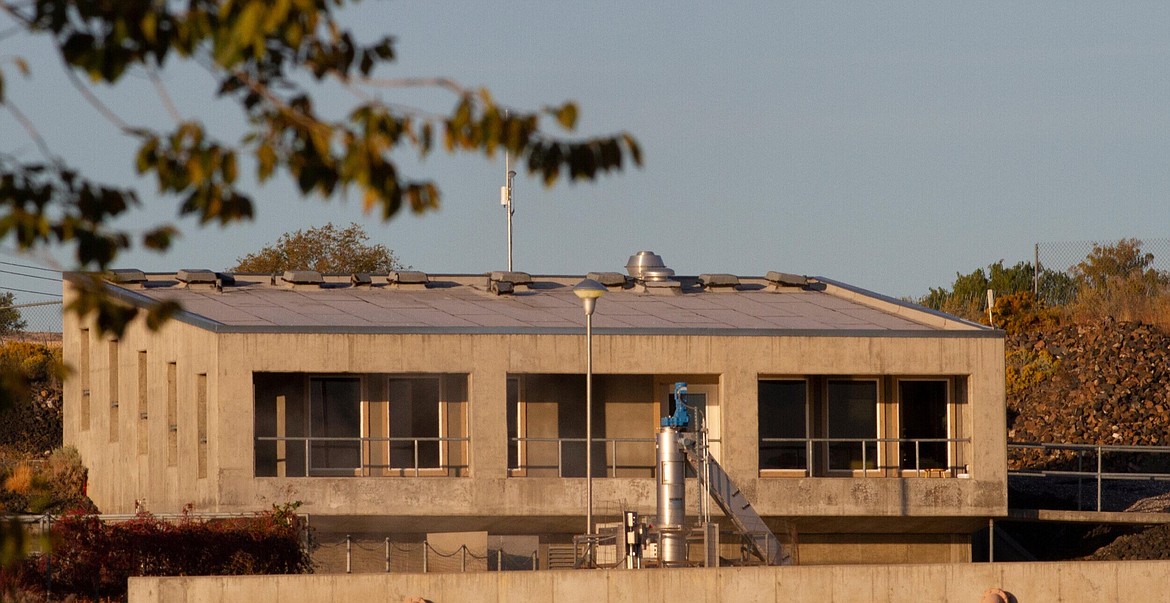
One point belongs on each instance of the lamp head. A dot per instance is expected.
(589, 290)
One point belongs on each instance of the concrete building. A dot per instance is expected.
(414, 403)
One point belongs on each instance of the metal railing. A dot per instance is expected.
(369, 556)
(526, 445)
(827, 446)
(361, 446)
(1100, 466)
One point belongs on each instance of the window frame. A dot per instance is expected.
(879, 428)
(951, 431)
(809, 444)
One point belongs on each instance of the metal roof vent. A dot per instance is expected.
(196, 276)
(502, 283)
(664, 287)
(783, 279)
(609, 279)
(360, 279)
(408, 279)
(131, 278)
(719, 282)
(647, 265)
(302, 277)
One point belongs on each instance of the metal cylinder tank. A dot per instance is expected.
(672, 537)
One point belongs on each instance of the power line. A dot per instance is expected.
(43, 278)
(30, 267)
(33, 292)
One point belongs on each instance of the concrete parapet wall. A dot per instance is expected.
(1132, 581)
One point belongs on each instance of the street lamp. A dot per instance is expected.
(589, 290)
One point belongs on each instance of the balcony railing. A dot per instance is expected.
(357, 457)
(866, 456)
(1093, 462)
(528, 448)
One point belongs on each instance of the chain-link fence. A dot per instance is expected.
(35, 322)
(1068, 267)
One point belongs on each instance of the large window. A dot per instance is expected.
(363, 425)
(924, 424)
(821, 425)
(335, 420)
(783, 423)
(852, 421)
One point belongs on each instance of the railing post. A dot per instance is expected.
(387, 554)
(535, 560)
(864, 461)
(1100, 463)
(426, 554)
(463, 558)
(499, 560)
(416, 457)
(348, 554)
(560, 457)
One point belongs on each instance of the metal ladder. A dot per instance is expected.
(734, 504)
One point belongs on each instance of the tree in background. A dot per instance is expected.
(967, 297)
(1122, 264)
(324, 249)
(1118, 281)
(271, 60)
(10, 319)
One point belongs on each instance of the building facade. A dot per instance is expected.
(413, 403)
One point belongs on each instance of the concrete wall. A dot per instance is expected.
(1067, 582)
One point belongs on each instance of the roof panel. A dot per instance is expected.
(460, 302)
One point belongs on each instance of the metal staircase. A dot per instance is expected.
(734, 504)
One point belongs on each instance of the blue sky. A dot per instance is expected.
(887, 145)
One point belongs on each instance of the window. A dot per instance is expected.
(820, 425)
(172, 414)
(852, 421)
(783, 425)
(84, 369)
(334, 425)
(143, 424)
(201, 422)
(360, 425)
(414, 423)
(923, 424)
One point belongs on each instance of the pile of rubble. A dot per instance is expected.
(1104, 383)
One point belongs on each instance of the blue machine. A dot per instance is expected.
(680, 418)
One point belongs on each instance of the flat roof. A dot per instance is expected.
(465, 303)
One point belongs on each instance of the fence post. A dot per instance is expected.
(1036, 271)
(426, 554)
(348, 554)
(387, 554)
(1100, 463)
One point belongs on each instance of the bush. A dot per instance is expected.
(93, 558)
(33, 361)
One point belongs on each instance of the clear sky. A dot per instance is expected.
(888, 145)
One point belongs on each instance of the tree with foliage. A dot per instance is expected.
(268, 58)
(1117, 264)
(967, 297)
(10, 319)
(324, 249)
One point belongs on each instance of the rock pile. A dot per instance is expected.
(1103, 383)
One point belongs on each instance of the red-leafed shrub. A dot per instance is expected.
(92, 558)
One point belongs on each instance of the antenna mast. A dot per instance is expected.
(506, 200)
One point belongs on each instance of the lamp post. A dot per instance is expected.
(589, 290)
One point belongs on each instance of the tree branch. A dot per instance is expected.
(93, 100)
(32, 131)
(164, 96)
